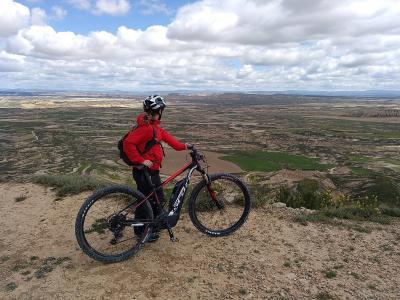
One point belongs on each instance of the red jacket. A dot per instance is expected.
(144, 133)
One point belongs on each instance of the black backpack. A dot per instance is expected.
(147, 147)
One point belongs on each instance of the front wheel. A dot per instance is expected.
(113, 224)
(220, 207)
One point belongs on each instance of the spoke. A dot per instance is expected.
(134, 237)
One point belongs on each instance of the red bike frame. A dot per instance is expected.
(168, 180)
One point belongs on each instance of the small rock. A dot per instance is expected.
(291, 276)
(279, 205)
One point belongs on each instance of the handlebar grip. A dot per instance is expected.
(138, 166)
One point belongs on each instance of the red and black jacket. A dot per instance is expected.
(137, 139)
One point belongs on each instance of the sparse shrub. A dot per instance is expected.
(220, 267)
(11, 286)
(243, 291)
(355, 275)
(98, 226)
(330, 274)
(19, 265)
(70, 184)
(307, 195)
(361, 207)
(383, 187)
(4, 258)
(390, 211)
(26, 272)
(324, 296)
(259, 195)
(21, 198)
(386, 247)
(60, 260)
(43, 270)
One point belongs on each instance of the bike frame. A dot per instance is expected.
(191, 166)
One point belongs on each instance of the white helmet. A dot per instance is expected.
(154, 102)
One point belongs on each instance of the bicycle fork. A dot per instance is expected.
(212, 193)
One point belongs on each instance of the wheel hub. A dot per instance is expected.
(117, 223)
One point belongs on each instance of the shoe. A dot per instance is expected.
(153, 237)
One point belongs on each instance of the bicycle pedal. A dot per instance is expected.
(174, 239)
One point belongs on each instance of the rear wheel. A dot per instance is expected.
(220, 208)
(106, 228)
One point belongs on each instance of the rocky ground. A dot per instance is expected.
(270, 257)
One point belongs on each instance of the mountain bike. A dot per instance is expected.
(109, 230)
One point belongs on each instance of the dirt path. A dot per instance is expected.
(270, 257)
(177, 159)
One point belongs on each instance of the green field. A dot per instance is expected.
(274, 161)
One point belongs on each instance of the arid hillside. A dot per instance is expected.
(270, 257)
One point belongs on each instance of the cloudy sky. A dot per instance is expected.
(238, 45)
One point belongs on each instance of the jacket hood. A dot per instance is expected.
(143, 119)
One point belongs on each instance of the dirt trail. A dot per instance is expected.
(270, 257)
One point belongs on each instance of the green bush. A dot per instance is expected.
(360, 208)
(390, 211)
(306, 195)
(259, 195)
(70, 184)
(386, 189)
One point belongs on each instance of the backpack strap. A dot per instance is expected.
(150, 144)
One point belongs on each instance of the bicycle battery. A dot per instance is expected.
(176, 202)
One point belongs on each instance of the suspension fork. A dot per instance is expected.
(210, 190)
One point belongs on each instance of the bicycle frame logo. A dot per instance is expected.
(182, 192)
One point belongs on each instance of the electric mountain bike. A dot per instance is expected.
(109, 230)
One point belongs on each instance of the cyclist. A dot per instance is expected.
(149, 130)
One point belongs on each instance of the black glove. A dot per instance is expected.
(189, 146)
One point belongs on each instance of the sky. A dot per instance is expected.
(218, 45)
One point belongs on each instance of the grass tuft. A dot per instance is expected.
(329, 274)
(11, 286)
(21, 198)
(4, 258)
(324, 296)
(98, 226)
(259, 195)
(19, 265)
(70, 184)
(243, 291)
(43, 270)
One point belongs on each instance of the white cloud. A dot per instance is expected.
(13, 16)
(10, 62)
(151, 7)
(112, 7)
(283, 21)
(59, 13)
(99, 7)
(38, 16)
(236, 44)
(81, 4)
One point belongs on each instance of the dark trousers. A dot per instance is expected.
(144, 187)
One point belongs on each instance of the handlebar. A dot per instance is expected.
(196, 156)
